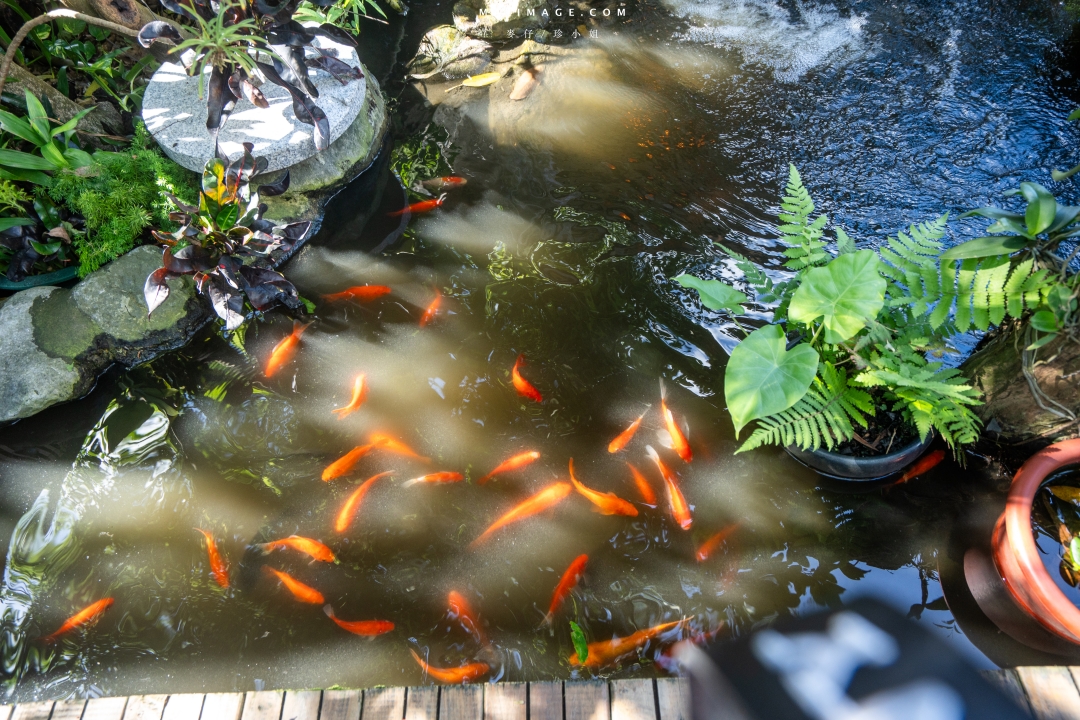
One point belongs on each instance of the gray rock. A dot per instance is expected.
(176, 116)
(501, 20)
(55, 342)
(30, 380)
(449, 51)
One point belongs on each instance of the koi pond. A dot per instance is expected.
(669, 131)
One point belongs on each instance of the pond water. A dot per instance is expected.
(641, 148)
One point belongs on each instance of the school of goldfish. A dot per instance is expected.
(599, 654)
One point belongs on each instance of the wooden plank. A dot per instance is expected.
(461, 702)
(185, 706)
(145, 707)
(222, 706)
(1007, 682)
(68, 710)
(106, 708)
(546, 701)
(633, 700)
(422, 703)
(1051, 692)
(33, 711)
(301, 705)
(262, 705)
(384, 704)
(506, 701)
(341, 705)
(586, 701)
(673, 697)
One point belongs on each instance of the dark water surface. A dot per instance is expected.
(638, 150)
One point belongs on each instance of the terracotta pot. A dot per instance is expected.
(1014, 588)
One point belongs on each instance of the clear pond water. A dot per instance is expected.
(640, 149)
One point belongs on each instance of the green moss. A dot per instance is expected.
(120, 196)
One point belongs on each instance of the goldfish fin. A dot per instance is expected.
(328, 610)
(663, 391)
(652, 453)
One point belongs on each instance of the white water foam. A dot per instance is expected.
(766, 33)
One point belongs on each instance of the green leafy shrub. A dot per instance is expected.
(120, 195)
(860, 332)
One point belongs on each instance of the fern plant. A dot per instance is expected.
(858, 333)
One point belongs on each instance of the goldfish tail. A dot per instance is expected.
(328, 610)
(663, 391)
(548, 620)
(298, 328)
(483, 480)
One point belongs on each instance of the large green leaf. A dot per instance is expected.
(763, 377)
(1041, 209)
(18, 127)
(25, 161)
(714, 294)
(35, 113)
(846, 293)
(990, 246)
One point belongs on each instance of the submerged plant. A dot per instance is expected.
(243, 43)
(226, 244)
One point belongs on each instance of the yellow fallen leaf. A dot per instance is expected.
(481, 80)
(583, 30)
(1068, 494)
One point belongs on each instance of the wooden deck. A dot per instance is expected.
(664, 699)
(1048, 693)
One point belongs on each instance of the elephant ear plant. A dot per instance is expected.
(857, 338)
(244, 42)
(226, 244)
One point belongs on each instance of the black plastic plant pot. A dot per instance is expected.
(860, 469)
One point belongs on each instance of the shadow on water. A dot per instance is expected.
(635, 154)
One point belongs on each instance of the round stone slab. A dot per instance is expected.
(176, 116)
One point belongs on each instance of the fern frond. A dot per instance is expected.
(823, 416)
(977, 293)
(797, 229)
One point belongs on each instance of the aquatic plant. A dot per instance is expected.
(244, 42)
(860, 333)
(226, 244)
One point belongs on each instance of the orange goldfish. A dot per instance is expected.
(432, 309)
(82, 617)
(352, 504)
(608, 651)
(625, 436)
(218, 568)
(359, 293)
(367, 628)
(359, 395)
(678, 440)
(435, 479)
(300, 591)
(643, 486)
(464, 614)
(284, 351)
(679, 509)
(515, 463)
(453, 676)
(548, 497)
(346, 462)
(310, 547)
(607, 503)
(397, 447)
(524, 388)
(445, 182)
(419, 207)
(566, 584)
(707, 548)
(924, 465)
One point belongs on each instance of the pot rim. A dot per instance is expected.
(1026, 578)
(864, 469)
